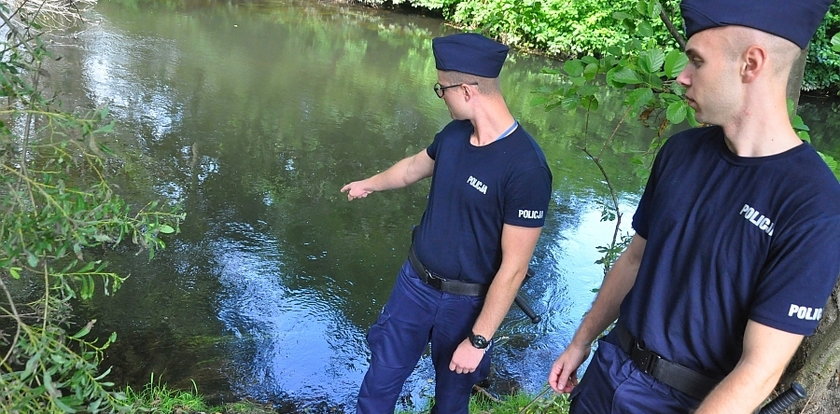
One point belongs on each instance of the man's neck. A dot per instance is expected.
(490, 123)
(762, 131)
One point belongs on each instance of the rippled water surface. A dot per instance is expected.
(251, 116)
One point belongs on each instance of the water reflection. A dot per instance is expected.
(286, 339)
(252, 115)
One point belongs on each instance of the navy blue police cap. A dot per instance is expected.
(469, 53)
(794, 20)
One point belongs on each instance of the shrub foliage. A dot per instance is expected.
(58, 212)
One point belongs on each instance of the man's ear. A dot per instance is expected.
(467, 91)
(754, 61)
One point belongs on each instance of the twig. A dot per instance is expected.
(46, 294)
(486, 394)
(545, 389)
(16, 317)
(613, 196)
(671, 29)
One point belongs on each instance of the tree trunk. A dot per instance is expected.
(816, 364)
(797, 72)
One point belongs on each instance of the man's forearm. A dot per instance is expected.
(392, 178)
(618, 281)
(765, 355)
(518, 245)
(499, 299)
(740, 392)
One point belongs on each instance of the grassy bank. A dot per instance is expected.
(159, 398)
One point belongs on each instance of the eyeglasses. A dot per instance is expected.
(440, 89)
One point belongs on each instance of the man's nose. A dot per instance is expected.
(683, 78)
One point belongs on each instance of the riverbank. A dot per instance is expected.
(162, 399)
(561, 29)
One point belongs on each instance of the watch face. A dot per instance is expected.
(479, 341)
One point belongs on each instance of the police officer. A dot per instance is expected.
(730, 265)
(489, 192)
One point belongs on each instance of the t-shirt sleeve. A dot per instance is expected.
(527, 196)
(640, 218)
(800, 274)
(432, 149)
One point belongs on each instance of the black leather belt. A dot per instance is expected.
(456, 287)
(670, 373)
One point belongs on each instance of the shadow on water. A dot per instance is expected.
(251, 115)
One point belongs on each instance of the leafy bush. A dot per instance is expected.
(573, 29)
(57, 210)
(822, 70)
(558, 28)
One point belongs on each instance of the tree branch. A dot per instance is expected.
(671, 29)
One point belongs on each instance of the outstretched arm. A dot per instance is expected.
(618, 281)
(518, 245)
(766, 353)
(405, 172)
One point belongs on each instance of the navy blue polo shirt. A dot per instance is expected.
(474, 192)
(731, 239)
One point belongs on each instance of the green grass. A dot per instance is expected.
(158, 398)
(546, 402)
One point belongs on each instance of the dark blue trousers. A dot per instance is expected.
(613, 385)
(415, 315)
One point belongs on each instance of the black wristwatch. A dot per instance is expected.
(479, 341)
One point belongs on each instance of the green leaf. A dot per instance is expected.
(102, 238)
(569, 102)
(799, 124)
(619, 16)
(651, 60)
(32, 260)
(61, 404)
(835, 42)
(573, 68)
(676, 112)
(85, 330)
(590, 103)
(88, 286)
(644, 30)
(104, 374)
(590, 71)
(675, 62)
(639, 98)
(623, 75)
(804, 135)
(15, 272)
(590, 60)
(166, 229)
(30, 366)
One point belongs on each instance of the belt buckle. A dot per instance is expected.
(433, 280)
(645, 360)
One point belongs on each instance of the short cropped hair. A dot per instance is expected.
(487, 86)
(783, 53)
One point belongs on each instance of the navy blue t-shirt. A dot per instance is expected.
(731, 239)
(474, 192)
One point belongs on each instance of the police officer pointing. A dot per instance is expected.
(736, 234)
(470, 253)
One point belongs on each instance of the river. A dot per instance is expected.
(251, 115)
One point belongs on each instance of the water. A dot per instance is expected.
(252, 115)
